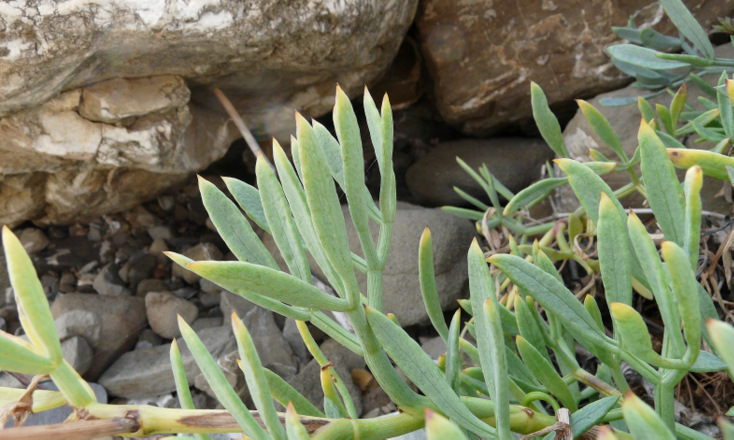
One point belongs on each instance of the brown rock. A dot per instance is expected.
(483, 54)
(162, 309)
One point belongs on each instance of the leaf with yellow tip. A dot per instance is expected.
(224, 392)
(712, 164)
(546, 121)
(257, 384)
(664, 192)
(692, 227)
(439, 427)
(642, 420)
(602, 128)
(33, 310)
(293, 426)
(614, 253)
(722, 335)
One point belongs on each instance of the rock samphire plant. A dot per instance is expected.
(517, 373)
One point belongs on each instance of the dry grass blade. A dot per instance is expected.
(21, 409)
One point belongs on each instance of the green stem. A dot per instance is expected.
(664, 404)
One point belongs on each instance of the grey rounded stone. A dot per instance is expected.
(85, 323)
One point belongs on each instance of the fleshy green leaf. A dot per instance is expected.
(257, 384)
(421, 370)
(546, 121)
(642, 420)
(282, 227)
(440, 428)
(428, 285)
(546, 373)
(221, 388)
(614, 253)
(588, 187)
(529, 328)
(688, 26)
(722, 335)
(347, 130)
(284, 393)
(182, 385)
(554, 297)
(21, 357)
(643, 57)
(453, 357)
(591, 414)
(712, 164)
(692, 227)
(664, 192)
(684, 286)
(33, 310)
(633, 331)
(293, 426)
(602, 128)
(238, 276)
(490, 338)
(248, 197)
(707, 363)
(233, 227)
(326, 213)
(533, 193)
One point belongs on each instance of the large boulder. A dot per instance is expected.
(483, 54)
(104, 104)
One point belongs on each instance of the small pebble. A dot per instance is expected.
(33, 240)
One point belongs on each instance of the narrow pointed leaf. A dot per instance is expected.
(439, 427)
(19, 356)
(33, 310)
(593, 308)
(712, 164)
(233, 227)
(326, 213)
(614, 253)
(490, 339)
(678, 103)
(652, 266)
(221, 388)
(648, 114)
(331, 152)
(453, 357)
(588, 416)
(279, 217)
(665, 194)
(588, 187)
(684, 286)
(546, 373)
(602, 128)
(347, 130)
(257, 384)
(293, 426)
(688, 26)
(427, 279)
(237, 276)
(546, 121)
(533, 193)
(551, 294)
(642, 420)
(301, 213)
(722, 335)
(248, 197)
(182, 385)
(284, 393)
(529, 328)
(692, 227)
(421, 370)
